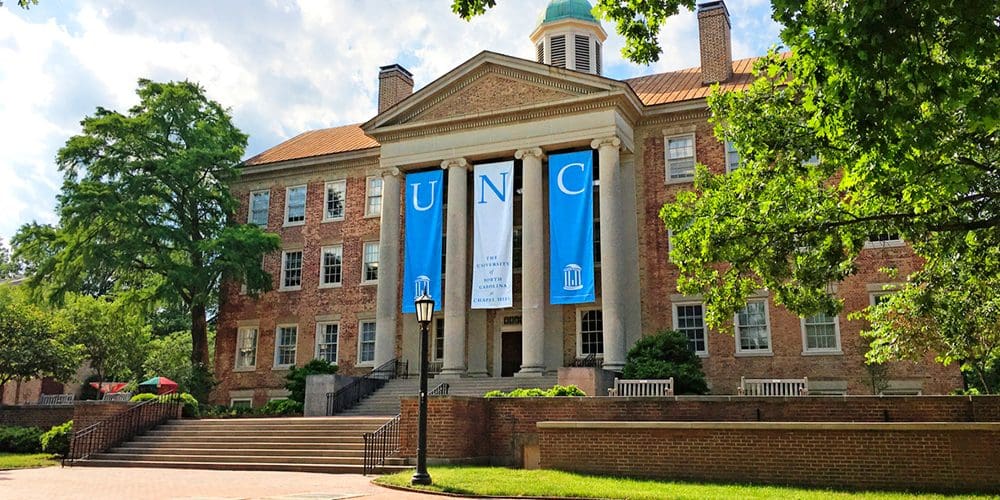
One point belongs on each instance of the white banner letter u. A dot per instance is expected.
(416, 197)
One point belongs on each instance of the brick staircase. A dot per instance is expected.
(385, 401)
(313, 444)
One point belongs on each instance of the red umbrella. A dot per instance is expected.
(109, 387)
(163, 385)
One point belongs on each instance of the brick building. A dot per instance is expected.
(335, 195)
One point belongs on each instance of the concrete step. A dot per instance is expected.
(248, 445)
(271, 452)
(345, 433)
(262, 466)
(250, 439)
(254, 459)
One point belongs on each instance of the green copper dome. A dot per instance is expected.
(567, 9)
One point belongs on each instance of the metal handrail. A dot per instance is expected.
(108, 433)
(589, 361)
(351, 394)
(384, 441)
(440, 390)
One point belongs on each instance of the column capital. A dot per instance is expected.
(606, 142)
(535, 151)
(389, 172)
(455, 162)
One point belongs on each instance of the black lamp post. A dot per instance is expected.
(425, 311)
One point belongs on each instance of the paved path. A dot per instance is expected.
(99, 483)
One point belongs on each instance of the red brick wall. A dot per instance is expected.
(39, 416)
(962, 457)
(86, 413)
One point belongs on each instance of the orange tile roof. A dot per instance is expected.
(686, 84)
(317, 143)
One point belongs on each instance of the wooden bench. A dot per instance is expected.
(773, 386)
(117, 396)
(56, 399)
(642, 388)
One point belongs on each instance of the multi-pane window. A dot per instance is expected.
(326, 341)
(295, 205)
(369, 266)
(689, 319)
(246, 348)
(518, 243)
(752, 333)
(331, 266)
(438, 351)
(284, 350)
(597, 226)
(334, 200)
(241, 403)
(732, 157)
(260, 201)
(291, 269)
(680, 157)
(883, 239)
(821, 332)
(366, 342)
(591, 333)
(373, 199)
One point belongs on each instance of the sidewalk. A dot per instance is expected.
(93, 483)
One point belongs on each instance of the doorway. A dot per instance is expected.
(510, 353)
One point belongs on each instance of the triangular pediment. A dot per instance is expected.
(491, 90)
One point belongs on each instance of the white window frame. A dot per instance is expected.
(898, 242)
(731, 150)
(361, 343)
(579, 332)
(267, 211)
(305, 204)
(666, 158)
(239, 344)
(369, 196)
(277, 346)
(873, 296)
(767, 328)
(320, 335)
(704, 328)
(434, 344)
(322, 265)
(277, 398)
(284, 262)
(326, 200)
(249, 401)
(364, 262)
(806, 351)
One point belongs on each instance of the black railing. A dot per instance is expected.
(351, 394)
(590, 361)
(122, 427)
(384, 441)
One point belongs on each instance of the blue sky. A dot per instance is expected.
(281, 66)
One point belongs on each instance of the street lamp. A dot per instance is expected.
(425, 310)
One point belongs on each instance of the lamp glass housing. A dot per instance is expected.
(425, 308)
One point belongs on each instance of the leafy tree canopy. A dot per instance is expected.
(114, 338)
(32, 343)
(665, 355)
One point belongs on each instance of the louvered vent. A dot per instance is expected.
(597, 57)
(540, 52)
(583, 53)
(558, 47)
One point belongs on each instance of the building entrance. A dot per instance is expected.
(510, 353)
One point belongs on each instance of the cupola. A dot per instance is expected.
(569, 36)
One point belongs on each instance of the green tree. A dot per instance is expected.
(295, 381)
(170, 356)
(146, 202)
(898, 101)
(665, 355)
(32, 343)
(111, 334)
(9, 267)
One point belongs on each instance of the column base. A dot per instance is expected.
(531, 371)
(451, 373)
(613, 367)
(482, 374)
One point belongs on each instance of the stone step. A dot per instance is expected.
(249, 439)
(278, 422)
(248, 445)
(270, 452)
(269, 466)
(256, 433)
(238, 458)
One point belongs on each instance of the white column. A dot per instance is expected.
(387, 306)
(613, 266)
(532, 264)
(456, 301)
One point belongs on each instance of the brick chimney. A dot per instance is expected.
(395, 83)
(715, 41)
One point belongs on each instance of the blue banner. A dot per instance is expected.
(422, 253)
(571, 228)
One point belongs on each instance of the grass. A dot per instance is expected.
(498, 481)
(26, 460)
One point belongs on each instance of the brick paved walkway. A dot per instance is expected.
(93, 483)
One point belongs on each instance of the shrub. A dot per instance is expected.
(280, 407)
(663, 356)
(20, 439)
(296, 378)
(146, 396)
(555, 391)
(56, 440)
(190, 403)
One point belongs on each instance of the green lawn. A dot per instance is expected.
(26, 460)
(498, 481)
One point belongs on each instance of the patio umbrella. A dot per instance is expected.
(111, 387)
(163, 385)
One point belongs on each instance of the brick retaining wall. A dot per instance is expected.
(42, 416)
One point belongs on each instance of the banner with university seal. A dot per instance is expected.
(493, 245)
(571, 228)
(422, 251)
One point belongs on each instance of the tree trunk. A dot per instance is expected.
(199, 336)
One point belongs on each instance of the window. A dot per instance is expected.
(597, 57)
(284, 349)
(518, 255)
(883, 240)
(326, 341)
(680, 158)
(582, 53)
(260, 201)
(366, 343)
(295, 205)
(334, 201)
(591, 333)
(732, 157)
(540, 52)
(373, 202)
(369, 266)
(557, 51)
(291, 270)
(877, 298)
(821, 334)
(437, 353)
(331, 266)
(241, 403)
(752, 333)
(689, 319)
(246, 348)
(597, 225)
